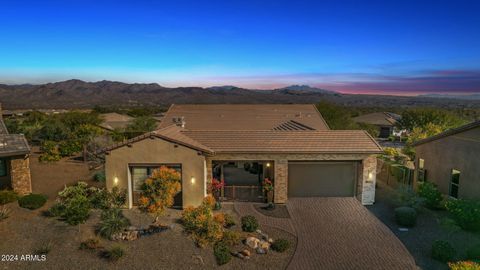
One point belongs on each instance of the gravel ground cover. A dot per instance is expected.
(280, 211)
(430, 227)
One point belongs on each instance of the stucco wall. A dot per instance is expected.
(461, 152)
(156, 150)
(365, 188)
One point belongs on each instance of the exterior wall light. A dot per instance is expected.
(192, 180)
(115, 180)
(268, 164)
(370, 176)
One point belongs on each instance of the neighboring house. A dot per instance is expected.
(14, 161)
(111, 121)
(385, 122)
(243, 144)
(452, 161)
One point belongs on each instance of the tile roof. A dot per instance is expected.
(449, 132)
(244, 116)
(267, 141)
(112, 121)
(378, 118)
(13, 144)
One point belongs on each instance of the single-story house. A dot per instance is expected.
(111, 121)
(290, 144)
(452, 161)
(385, 121)
(14, 161)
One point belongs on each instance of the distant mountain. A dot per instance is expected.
(76, 94)
(466, 97)
(305, 88)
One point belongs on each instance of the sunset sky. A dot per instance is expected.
(385, 47)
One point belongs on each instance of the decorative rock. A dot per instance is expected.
(132, 228)
(252, 242)
(270, 240)
(261, 250)
(264, 245)
(245, 252)
(258, 231)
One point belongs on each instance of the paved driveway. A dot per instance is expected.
(340, 233)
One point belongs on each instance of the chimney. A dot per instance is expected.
(179, 121)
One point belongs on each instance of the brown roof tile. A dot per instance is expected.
(378, 118)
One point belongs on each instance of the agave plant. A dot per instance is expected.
(4, 213)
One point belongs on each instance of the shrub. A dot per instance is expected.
(464, 265)
(219, 218)
(390, 151)
(405, 196)
(209, 201)
(79, 189)
(44, 248)
(466, 213)
(249, 224)
(55, 210)
(201, 223)
(90, 244)
(473, 253)
(280, 245)
(32, 201)
(159, 190)
(231, 238)
(112, 221)
(222, 253)
(103, 199)
(69, 148)
(100, 177)
(77, 210)
(8, 196)
(405, 216)
(433, 197)
(50, 152)
(114, 254)
(443, 251)
(4, 213)
(229, 221)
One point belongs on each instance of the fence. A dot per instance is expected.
(243, 193)
(394, 174)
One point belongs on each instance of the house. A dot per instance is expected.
(290, 144)
(385, 121)
(111, 121)
(452, 161)
(14, 161)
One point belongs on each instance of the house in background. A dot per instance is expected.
(290, 144)
(111, 121)
(452, 161)
(385, 121)
(14, 161)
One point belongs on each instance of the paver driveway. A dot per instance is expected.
(340, 233)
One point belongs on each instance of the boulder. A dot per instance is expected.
(252, 242)
(261, 250)
(264, 245)
(245, 252)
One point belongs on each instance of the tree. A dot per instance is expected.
(140, 125)
(421, 117)
(159, 190)
(337, 117)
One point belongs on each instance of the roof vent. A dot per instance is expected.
(179, 121)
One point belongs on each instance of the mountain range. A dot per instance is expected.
(80, 94)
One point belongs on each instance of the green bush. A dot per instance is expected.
(100, 177)
(405, 196)
(69, 148)
(473, 253)
(50, 152)
(443, 251)
(433, 197)
(7, 196)
(222, 253)
(77, 210)
(229, 221)
(44, 248)
(55, 210)
(405, 216)
(280, 245)
(249, 224)
(112, 221)
(231, 238)
(4, 213)
(114, 254)
(466, 213)
(32, 201)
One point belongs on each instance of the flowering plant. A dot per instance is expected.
(267, 185)
(464, 265)
(217, 185)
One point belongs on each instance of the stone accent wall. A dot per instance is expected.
(20, 174)
(367, 178)
(281, 181)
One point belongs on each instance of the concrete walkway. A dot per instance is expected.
(336, 233)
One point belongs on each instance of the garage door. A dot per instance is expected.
(321, 179)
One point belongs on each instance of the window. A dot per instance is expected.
(454, 184)
(421, 163)
(141, 173)
(3, 167)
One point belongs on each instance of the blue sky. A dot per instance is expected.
(399, 47)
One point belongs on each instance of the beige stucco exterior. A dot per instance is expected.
(158, 151)
(459, 151)
(199, 166)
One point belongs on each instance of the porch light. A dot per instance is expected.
(192, 180)
(370, 176)
(115, 180)
(268, 164)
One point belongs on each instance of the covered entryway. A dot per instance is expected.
(322, 179)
